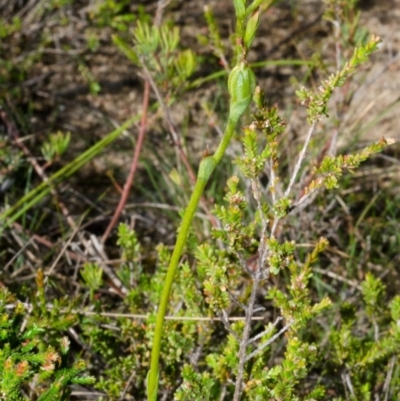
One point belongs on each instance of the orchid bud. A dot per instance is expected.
(241, 83)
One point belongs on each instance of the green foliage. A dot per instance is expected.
(372, 291)
(92, 276)
(236, 232)
(214, 37)
(297, 304)
(244, 316)
(317, 103)
(94, 86)
(127, 358)
(11, 73)
(280, 382)
(55, 146)
(366, 359)
(195, 386)
(10, 160)
(36, 194)
(25, 355)
(214, 266)
(347, 17)
(157, 50)
(128, 241)
(7, 29)
(112, 13)
(331, 168)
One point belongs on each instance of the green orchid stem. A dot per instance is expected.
(207, 166)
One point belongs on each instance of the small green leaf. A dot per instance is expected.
(251, 27)
(240, 8)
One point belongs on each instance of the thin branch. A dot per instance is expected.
(225, 321)
(347, 383)
(270, 341)
(386, 386)
(89, 394)
(223, 393)
(127, 385)
(300, 158)
(67, 244)
(268, 330)
(246, 333)
(29, 307)
(161, 5)
(257, 277)
(236, 301)
(102, 259)
(337, 277)
(272, 179)
(22, 249)
(304, 198)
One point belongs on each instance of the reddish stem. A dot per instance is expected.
(134, 164)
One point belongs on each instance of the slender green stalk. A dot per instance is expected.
(241, 87)
(230, 129)
(152, 384)
(206, 168)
